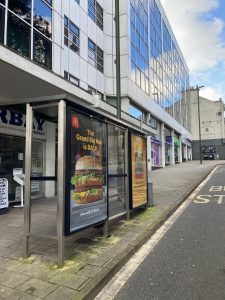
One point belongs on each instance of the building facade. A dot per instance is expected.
(211, 126)
(50, 47)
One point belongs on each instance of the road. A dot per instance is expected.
(188, 261)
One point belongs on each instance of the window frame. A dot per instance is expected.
(97, 60)
(96, 13)
(68, 33)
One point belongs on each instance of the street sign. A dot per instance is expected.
(4, 201)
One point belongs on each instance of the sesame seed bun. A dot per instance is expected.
(88, 163)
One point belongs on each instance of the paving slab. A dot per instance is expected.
(12, 279)
(62, 293)
(68, 280)
(37, 287)
(9, 294)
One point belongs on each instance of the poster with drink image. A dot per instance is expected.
(139, 170)
(88, 203)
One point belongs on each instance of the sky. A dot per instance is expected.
(199, 27)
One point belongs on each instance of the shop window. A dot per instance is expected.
(95, 12)
(71, 78)
(42, 50)
(95, 56)
(22, 8)
(78, 1)
(2, 24)
(18, 35)
(43, 18)
(71, 35)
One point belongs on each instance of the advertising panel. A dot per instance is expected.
(139, 170)
(88, 193)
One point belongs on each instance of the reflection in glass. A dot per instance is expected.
(116, 195)
(22, 8)
(18, 35)
(116, 150)
(42, 50)
(43, 18)
(2, 24)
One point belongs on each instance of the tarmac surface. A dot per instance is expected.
(188, 262)
(91, 259)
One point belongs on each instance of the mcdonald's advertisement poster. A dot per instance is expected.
(88, 201)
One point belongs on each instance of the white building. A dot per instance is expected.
(53, 47)
(211, 127)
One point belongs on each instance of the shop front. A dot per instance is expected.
(177, 145)
(156, 151)
(12, 152)
(168, 150)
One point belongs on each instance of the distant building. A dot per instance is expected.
(212, 127)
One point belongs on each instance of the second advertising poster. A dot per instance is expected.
(139, 170)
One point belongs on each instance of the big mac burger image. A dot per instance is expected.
(88, 180)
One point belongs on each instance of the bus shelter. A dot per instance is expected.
(94, 165)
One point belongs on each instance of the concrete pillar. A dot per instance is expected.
(180, 151)
(186, 152)
(163, 145)
(173, 149)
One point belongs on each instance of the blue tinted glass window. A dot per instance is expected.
(22, 8)
(95, 56)
(135, 112)
(95, 12)
(139, 44)
(71, 35)
(43, 18)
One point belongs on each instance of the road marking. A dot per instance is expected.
(118, 281)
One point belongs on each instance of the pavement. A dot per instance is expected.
(91, 259)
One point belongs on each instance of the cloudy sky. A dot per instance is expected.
(199, 26)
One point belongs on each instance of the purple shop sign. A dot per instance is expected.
(155, 140)
(169, 140)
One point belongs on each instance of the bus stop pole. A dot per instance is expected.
(28, 153)
(61, 180)
(127, 191)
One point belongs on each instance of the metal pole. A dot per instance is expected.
(118, 75)
(127, 194)
(61, 180)
(28, 154)
(199, 127)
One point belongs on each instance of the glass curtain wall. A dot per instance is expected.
(29, 29)
(156, 54)
(139, 44)
(169, 77)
